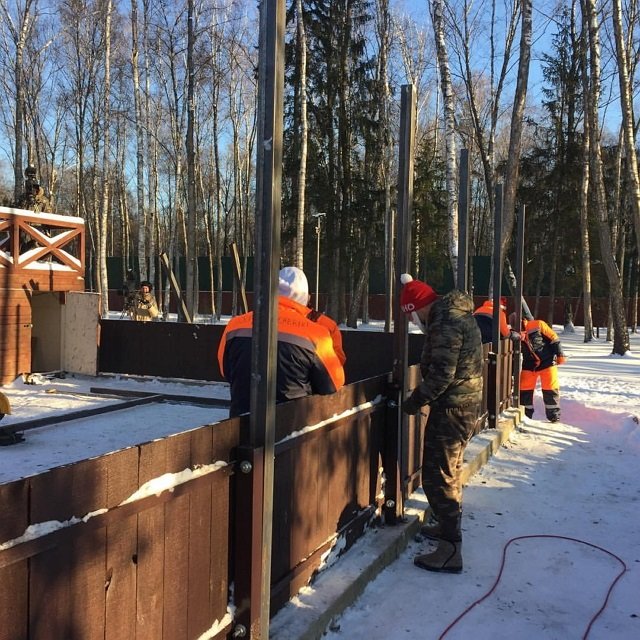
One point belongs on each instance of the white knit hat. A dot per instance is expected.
(293, 284)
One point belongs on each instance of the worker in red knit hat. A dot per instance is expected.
(451, 367)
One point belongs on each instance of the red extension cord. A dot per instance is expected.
(504, 555)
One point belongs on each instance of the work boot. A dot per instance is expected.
(447, 558)
(553, 416)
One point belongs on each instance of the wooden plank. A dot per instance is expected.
(176, 545)
(120, 578)
(282, 505)
(150, 552)
(220, 545)
(199, 549)
(14, 579)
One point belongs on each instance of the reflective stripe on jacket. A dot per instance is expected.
(540, 346)
(306, 360)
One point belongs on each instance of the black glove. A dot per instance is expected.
(410, 406)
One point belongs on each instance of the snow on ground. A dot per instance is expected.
(57, 444)
(575, 479)
(570, 492)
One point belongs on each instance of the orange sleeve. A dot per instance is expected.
(336, 336)
(504, 326)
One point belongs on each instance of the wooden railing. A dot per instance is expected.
(42, 250)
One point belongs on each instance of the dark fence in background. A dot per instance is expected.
(377, 305)
(181, 350)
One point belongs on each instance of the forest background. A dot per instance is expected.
(140, 116)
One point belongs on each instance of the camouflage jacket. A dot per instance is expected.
(451, 362)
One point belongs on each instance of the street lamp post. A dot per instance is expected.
(318, 216)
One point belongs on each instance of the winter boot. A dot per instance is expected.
(447, 558)
(528, 413)
(431, 528)
(553, 416)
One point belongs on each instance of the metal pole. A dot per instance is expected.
(494, 407)
(394, 454)
(517, 347)
(264, 343)
(318, 263)
(463, 222)
(318, 216)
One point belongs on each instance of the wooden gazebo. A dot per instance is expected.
(39, 252)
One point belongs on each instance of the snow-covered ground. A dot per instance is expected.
(58, 444)
(549, 525)
(560, 501)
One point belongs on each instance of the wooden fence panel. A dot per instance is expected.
(14, 578)
(120, 582)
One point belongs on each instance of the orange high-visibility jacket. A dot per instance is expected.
(540, 346)
(306, 361)
(484, 317)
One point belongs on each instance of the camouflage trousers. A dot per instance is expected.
(446, 436)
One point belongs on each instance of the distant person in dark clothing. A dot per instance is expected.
(33, 197)
(306, 363)
(451, 368)
(484, 317)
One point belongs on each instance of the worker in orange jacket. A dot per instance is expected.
(306, 360)
(334, 331)
(541, 352)
(484, 317)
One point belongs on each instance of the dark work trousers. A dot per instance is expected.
(447, 434)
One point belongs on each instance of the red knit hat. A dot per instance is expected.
(415, 294)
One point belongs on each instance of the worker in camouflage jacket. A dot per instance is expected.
(451, 368)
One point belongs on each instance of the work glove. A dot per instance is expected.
(410, 406)
(561, 360)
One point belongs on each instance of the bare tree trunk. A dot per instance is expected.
(102, 281)
(620, 333)
(450, 132)
(584, 232)
(140, 143)
(20, 30)
(626, 107)
(302, 170)
(515, 139)
(191, 245)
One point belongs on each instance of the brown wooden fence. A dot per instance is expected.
(160, 566)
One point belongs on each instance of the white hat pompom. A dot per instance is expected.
(405, 277)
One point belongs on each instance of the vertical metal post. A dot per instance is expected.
(389, 229)
(266, 264)
(517, 347)
(494, 356)
(462, 281)
(394, 448)
(318, 216)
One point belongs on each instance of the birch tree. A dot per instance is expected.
(446, 87)
(592, 92)
(303, 128)
(19, 27)
(626, 107)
